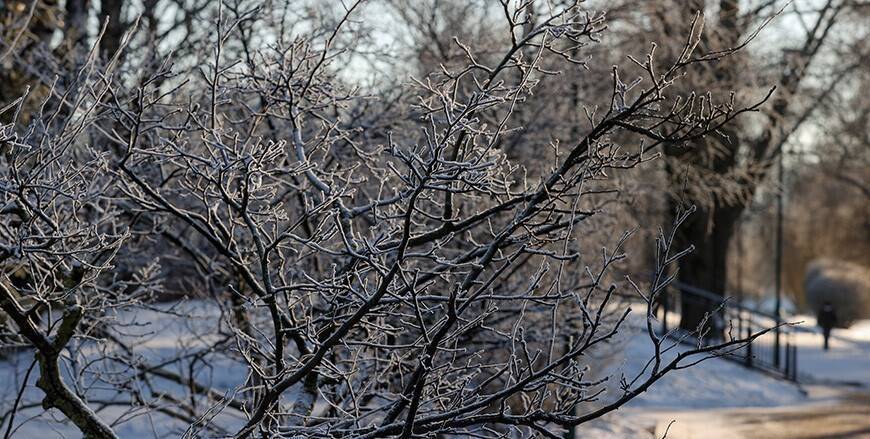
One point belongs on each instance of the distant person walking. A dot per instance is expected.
(827, 318)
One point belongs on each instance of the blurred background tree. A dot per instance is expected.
(814, 51)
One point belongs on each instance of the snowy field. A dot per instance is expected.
(158, 335)
(848, 361)
(696, 398)
(704, 400)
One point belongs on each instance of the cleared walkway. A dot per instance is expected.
(845, 417)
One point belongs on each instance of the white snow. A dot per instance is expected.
(157, 335)
(713, 383)
(693, 393)
(702, 399)
(847, 361)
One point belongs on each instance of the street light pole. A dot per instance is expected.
(778, 258)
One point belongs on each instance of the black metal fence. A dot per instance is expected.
(774, 352)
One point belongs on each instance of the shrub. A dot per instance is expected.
(845, 285)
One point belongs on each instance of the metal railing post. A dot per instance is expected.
(665, 294)
(748, 346)
(765, 352)
(794, 375)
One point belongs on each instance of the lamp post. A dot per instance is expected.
(778, 258)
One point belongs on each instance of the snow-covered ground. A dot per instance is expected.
(848, 360)
(703, 399)
(163, 332)
(706, 400)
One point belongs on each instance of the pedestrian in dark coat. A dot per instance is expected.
(827, 319)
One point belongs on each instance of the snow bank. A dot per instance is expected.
(158, 333)
(703, 398)
(847, 361)
(714, 383)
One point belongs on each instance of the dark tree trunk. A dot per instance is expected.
(711, 227)
(75, 23)
(709, 230)
(111, 10)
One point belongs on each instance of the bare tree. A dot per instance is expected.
(721, 173)
(365, 265)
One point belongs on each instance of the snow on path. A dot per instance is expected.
(713, 383)
(719, 383)
(848, 360)
(722, 399)
(841, 414)
(708, 391)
